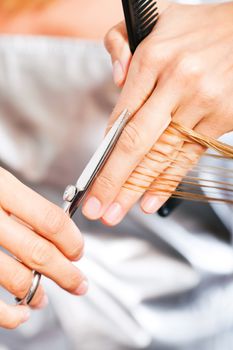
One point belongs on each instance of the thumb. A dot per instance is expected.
(116, 43)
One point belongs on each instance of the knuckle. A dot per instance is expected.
(41, 253)
(189, 66)
(19, 284)
(105, 182)
(146, 56)
(132, 140)
(208, 92)
(149, 58)
(115, 37)
(54, 220)
(73, 282)
(77, 250)
(110, 39)
(143, 61)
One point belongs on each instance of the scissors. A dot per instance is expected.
(75, 194)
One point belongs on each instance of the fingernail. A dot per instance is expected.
(25, 315)
(118, 73)
(92, 208)
(44, 302)
(82, 289)
(150, 205)
(113, 214)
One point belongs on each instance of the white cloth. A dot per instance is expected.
(153, 282)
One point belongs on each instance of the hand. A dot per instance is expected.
(181, 72)
(42, 238)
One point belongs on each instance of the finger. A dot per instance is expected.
(135, 142)
(179, 84)
(143, 176)
(17, 279)
(45, 218)
(40, 299)
(188, 114)
(143, 73)
(116, 42)
(166, 182)
(13, 316)
(115, 39)
(208, 126)
(40, 255)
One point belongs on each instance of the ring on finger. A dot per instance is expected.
(32, 291)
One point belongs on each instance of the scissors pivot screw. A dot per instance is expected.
(69, 193)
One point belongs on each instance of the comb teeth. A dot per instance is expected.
(146, 16)
(140, 16)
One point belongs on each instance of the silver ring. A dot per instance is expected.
(32, 291)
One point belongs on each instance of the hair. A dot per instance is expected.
(206, 141)
(160, 173)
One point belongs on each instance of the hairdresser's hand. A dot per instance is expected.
(182, 72)
(42, 238)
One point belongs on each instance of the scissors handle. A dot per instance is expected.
(72, 199)
(74, 195)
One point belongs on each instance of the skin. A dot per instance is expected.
(80, 18)
(181, 72)
(41, 236)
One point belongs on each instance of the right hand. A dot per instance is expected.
(182, 72)
(41, 237)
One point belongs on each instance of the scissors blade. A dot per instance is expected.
(78, 192)
(98, 159)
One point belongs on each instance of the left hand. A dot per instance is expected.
(183, 71)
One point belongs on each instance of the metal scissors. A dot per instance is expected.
(75, 194)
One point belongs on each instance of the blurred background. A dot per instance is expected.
(155, 283)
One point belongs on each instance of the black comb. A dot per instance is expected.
(140, 17)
